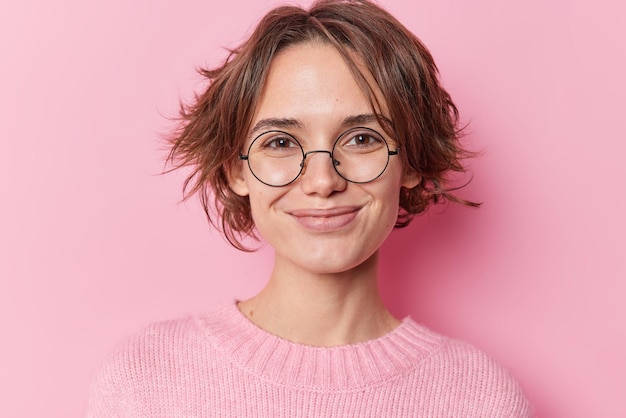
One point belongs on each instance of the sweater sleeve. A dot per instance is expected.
(110, 394)
(477, 384)
(147, 368)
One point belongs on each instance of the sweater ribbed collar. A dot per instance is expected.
(339, 368)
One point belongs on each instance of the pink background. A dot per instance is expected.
(94, 244)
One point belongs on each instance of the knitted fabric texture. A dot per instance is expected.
(222, 365)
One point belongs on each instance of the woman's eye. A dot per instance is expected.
(279, 143)
(363, 139)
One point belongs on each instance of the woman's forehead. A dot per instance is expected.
(310, 85)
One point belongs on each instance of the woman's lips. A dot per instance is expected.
(325, 220)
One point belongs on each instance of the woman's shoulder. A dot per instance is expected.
(155, 360)
(467, 375)
(161, 341)
(162, 334)
(138, 352)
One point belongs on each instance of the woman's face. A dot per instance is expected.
(320, 222)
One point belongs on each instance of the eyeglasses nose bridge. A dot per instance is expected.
(303, 164)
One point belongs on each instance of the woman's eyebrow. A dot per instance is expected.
(281, 123)
(365, 119)
(285, 123)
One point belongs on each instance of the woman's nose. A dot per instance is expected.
(318, 174)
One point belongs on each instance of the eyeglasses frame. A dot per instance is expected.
(245, 157)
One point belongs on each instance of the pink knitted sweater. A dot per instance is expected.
(222, 365)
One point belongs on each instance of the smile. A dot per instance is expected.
(326, 220)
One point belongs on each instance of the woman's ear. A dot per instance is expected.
(236, 179)
(411, 179)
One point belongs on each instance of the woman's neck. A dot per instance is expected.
(321, 309)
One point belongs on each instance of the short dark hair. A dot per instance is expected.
(425, 121)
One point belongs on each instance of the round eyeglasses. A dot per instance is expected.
(359, 155)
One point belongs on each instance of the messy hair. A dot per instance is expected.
(424, 120)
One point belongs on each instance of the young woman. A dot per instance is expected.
(321, 133)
